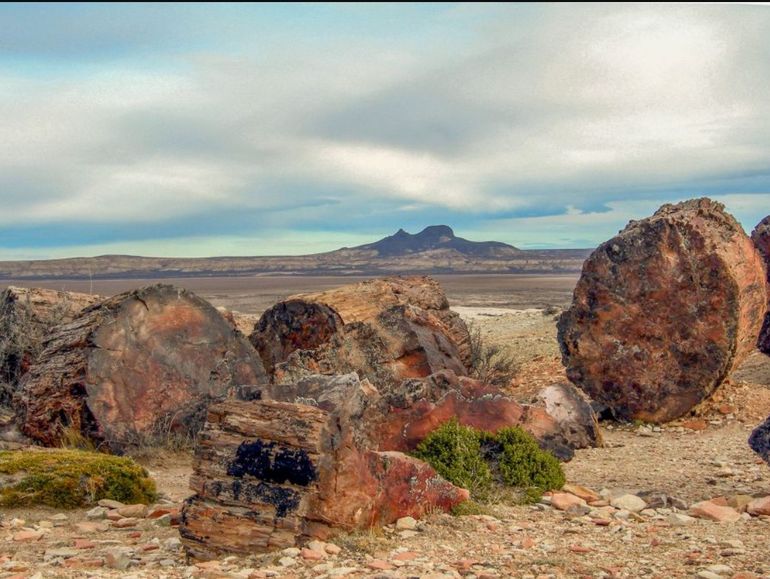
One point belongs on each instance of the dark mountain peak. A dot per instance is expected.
(436, 231)
(437, 237)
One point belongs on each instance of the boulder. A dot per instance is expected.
(759, 441)
(761, 238)
(385, 329)
(26, 316)
(664, 311)
(143, 362)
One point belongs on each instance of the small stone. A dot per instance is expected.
(92, 527)
(705, 574)
(379, 565)
(84, 544)
(311, 555)
(759, 507)
(96, 513)
(720, 569)
(172, 544)
(28, 536)
(628, 502)
(110, 504)
(319, 546)
(333, 549)
(563, 501)
(740, 502)
(406, 524)
(679, 520)
(163, 520)
(133, 511)
(287, 561)
(714, 512)
(125, 523)
(118, 558)
(582, 492)
(291, 552)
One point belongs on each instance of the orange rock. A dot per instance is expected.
(759, 506)
(563, 501)
(710, 510)
(28, 536)
(582, 492)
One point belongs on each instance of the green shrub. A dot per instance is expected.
(455, 452)
(479, 461)
(70, 478)
(523, 464)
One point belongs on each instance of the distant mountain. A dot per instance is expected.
(434, 250)
(437, 237)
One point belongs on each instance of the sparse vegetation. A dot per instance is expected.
(490, 465)
(491, 364)
(70, 479)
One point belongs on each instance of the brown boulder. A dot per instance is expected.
(140, 363)
(26, 316)
(759, 441)
(761, 238)
(386, 329)
(664, 311)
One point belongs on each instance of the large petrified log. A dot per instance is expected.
(298, 461)
(140, 363)
(387, 329)
(270, 475)
(664, 311)
(761, 238)
(26, 316)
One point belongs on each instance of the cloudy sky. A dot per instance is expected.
(184, 130)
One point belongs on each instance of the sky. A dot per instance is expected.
(267, 129)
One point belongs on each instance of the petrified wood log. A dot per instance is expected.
(403, 325)
(141, 363)
(270, 475)
(293, 325)
(664, 311)
(26, 316)
(761, 238)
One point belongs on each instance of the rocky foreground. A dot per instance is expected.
(641, 523)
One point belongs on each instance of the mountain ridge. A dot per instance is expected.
(435, 249)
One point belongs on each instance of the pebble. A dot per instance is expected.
(628, 502)
(110, 504)
(406, 524)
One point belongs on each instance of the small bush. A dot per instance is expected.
(478, 461)
(70, 479)
(490, 364)
(455, 452)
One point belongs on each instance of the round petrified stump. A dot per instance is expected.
(664, 311)
(293, 325)
(141, 364)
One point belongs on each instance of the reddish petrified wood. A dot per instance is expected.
(293, 325)
(761, 238)
(26, 316)
(386, 329)
(269, 475)
(664, 311)
(141, 363)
